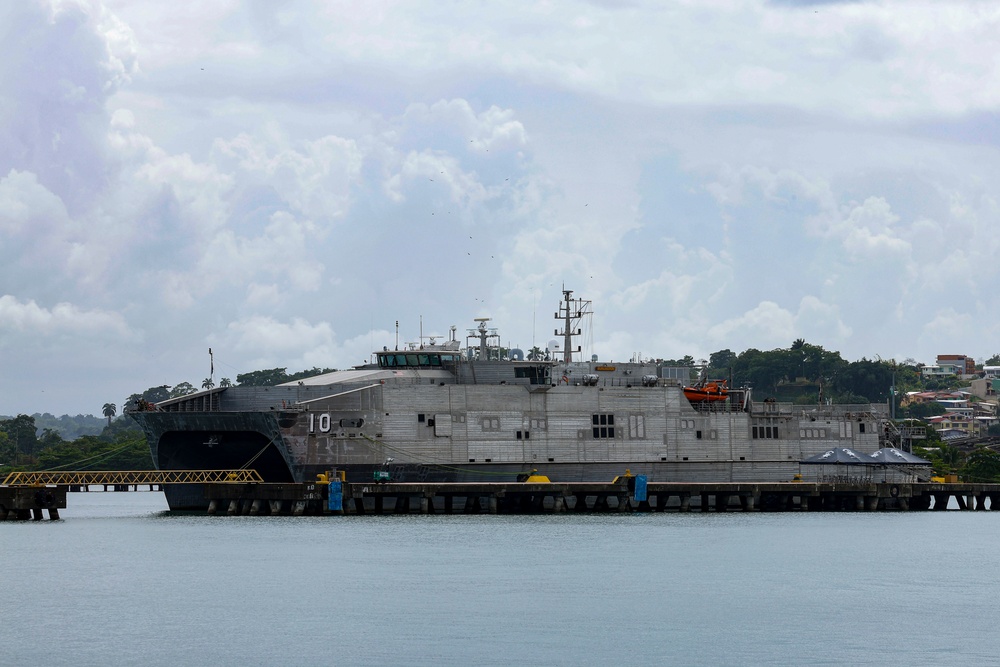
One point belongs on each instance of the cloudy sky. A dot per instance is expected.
(283, 181)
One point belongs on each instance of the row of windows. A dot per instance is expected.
(604, 427)
(764, 432)
(415, 360)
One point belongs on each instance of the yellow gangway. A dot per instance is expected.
(86, 477)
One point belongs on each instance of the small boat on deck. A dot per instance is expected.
(713, 390)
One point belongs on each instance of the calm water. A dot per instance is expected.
(119, 582)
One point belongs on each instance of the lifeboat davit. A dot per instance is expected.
(715, 390)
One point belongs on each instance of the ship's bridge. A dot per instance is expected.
(425, 358)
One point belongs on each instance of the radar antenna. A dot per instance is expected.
(484, 334)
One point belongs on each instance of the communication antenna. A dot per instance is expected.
(571, 311)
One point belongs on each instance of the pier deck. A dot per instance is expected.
(242, 494)
(623, 496)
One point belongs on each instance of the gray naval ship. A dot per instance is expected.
(444, 411)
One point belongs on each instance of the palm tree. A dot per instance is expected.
(225, 382)
(110, 409)
(207, 383)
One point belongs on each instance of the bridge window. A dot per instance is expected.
(411, 360)
(534, 374)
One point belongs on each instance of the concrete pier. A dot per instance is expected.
(21, 503)
(255, 498)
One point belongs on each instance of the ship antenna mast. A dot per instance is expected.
(571, 311)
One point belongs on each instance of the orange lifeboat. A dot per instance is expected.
(714, 390)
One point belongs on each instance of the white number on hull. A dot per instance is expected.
(326, 422)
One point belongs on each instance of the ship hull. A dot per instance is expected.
(474, 433)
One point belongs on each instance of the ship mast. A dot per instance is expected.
(485, 336)
(571, 311)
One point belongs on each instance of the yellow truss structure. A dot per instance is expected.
(71, 477)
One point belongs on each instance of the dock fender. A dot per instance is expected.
(894, 490)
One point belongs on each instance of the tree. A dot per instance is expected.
(982, 465)
(21, 432)
(993, 361)
(760, 370)
(225, 382)
(182, 389)
(109, 410)
(6, 450)
(152, 395)
(722, 359)
(207, 383)
(922, 410)
(869, 378)
(49, 438)
(127, 450)
(263, 378)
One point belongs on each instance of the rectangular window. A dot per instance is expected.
(767, 428)
(603, 425)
